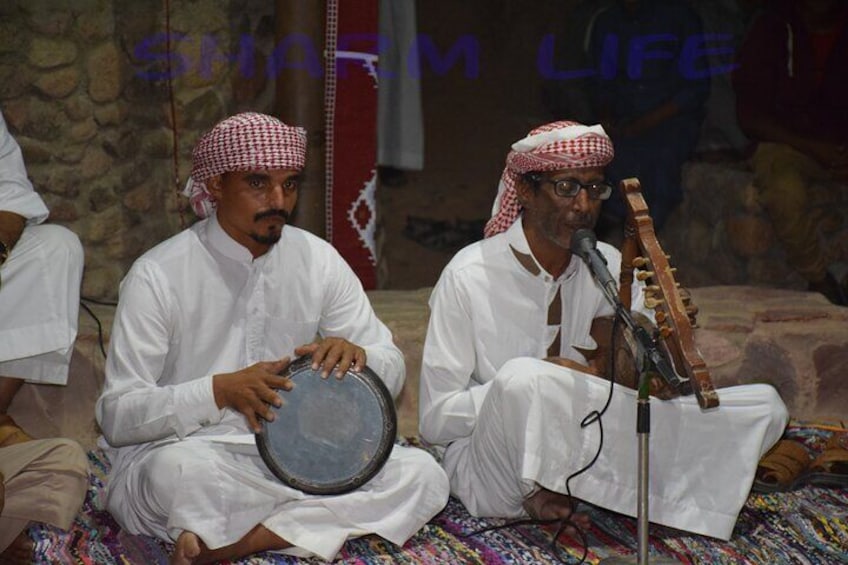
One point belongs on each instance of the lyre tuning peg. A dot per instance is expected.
(692, 314)
(652, 303)
(660, 317)
(640, 261)
(665, 331)
(642, 275)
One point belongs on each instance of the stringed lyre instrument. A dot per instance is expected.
(641, 250)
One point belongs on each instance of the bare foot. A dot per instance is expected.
(190, 549)
(187, 549)
(19, 551)
(10, 432)
(549, 505)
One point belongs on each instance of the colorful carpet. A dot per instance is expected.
(808, 526)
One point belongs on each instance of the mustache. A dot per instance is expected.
(582, 220)
(271, 213)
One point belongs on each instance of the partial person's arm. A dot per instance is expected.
(19, 203)
(764, 126)
(755, 84)
(11, 227)
(347, 313)
(758, 121)
(687, 95)
(133, 408)
(448, 401)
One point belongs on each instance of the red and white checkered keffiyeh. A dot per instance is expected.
(243, 142)
(551, 147)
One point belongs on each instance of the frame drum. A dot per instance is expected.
(330, 436)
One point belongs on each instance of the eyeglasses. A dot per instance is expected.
(569, 188)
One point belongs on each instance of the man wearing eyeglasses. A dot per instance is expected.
(507, 384)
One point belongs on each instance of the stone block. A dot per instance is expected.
(794, 340)
(47, 53)
(721, 235)
(105, 67)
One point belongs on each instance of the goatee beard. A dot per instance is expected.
(269, 239)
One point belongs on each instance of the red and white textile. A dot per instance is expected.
(350, 102)
(243, 142)
(551, 147)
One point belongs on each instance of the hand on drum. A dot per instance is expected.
(251, 391)
(334, 353)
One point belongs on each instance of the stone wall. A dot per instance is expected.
(721, 235)
(84, 88)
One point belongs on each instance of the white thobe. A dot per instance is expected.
(198, 305)
(39, 282)
(511, 421)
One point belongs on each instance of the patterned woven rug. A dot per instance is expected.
(808, 526)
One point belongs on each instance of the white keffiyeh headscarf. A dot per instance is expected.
(551, 147)
(246, 141)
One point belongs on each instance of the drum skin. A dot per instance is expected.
(330, 436)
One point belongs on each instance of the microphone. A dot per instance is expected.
(584, 244)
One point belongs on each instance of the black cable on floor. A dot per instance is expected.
(555, 549)
(91, 313)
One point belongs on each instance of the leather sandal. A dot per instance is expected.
(782, 468)
(830, 468)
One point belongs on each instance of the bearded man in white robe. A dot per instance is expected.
(206, 322)
(505, 385)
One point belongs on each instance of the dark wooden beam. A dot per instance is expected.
(300, 97)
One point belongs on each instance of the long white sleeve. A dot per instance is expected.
(449, 400)
(133, 407)
(16, 192)
(199, 305)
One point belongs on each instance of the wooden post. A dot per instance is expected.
(300, 99)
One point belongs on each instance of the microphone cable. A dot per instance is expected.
(591, 418)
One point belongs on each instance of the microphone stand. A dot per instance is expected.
(648, 351)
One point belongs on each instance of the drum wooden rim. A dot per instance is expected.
(271, 439)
